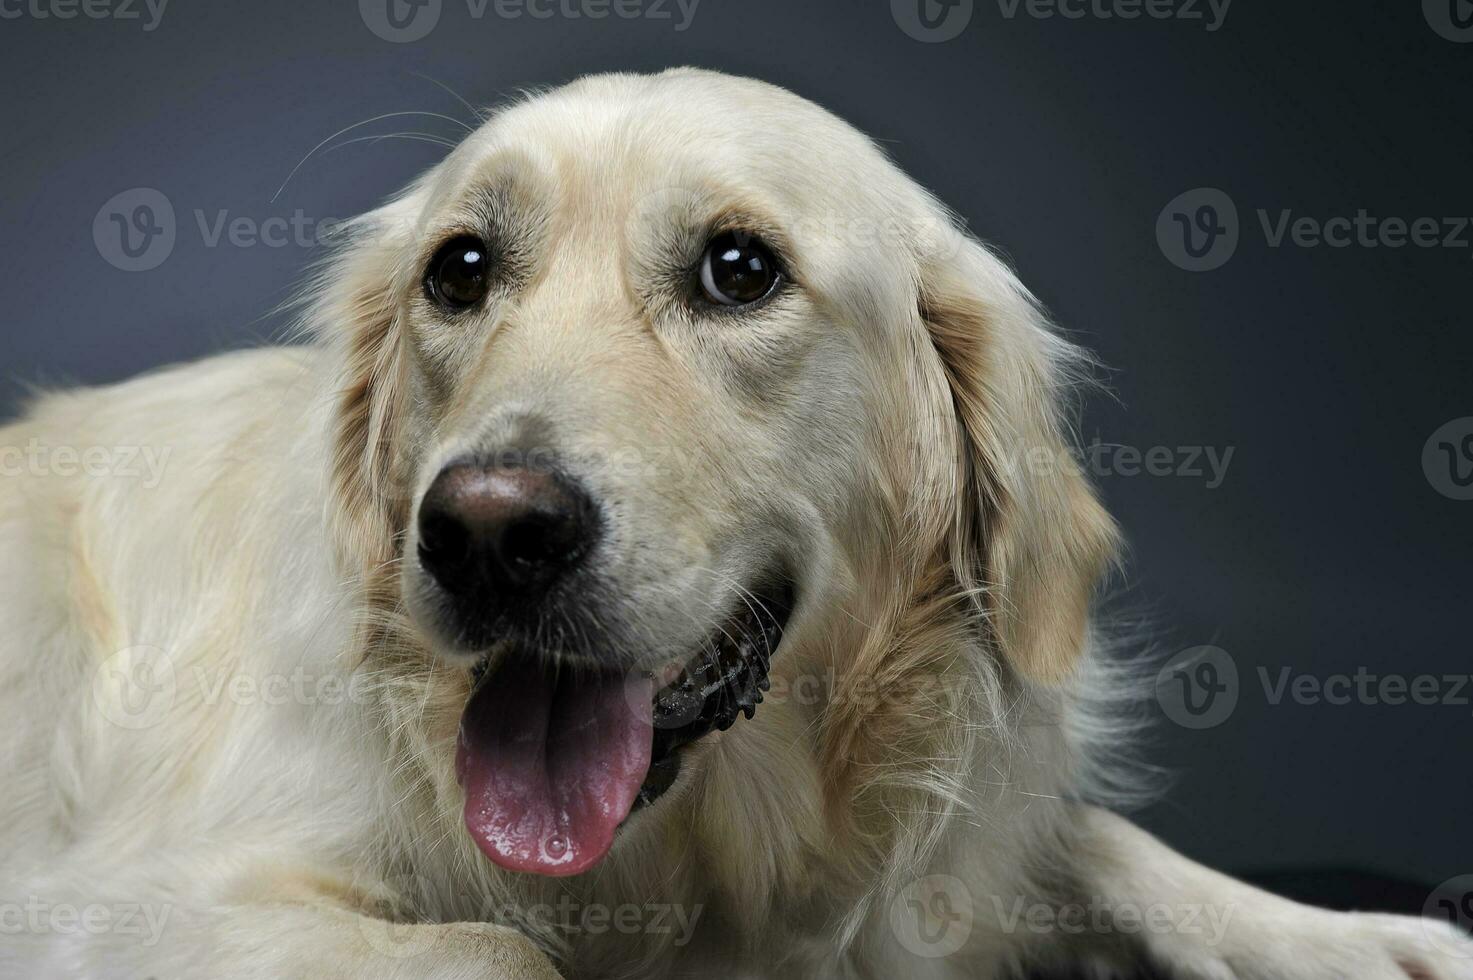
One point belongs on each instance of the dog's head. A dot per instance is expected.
(659, 390)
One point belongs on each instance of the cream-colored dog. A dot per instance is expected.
(664, 560)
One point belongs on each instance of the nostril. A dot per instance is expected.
(537, 546)
(529, 544)
(444, 540)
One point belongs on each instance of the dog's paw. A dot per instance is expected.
(1309, 944)
(453, 951)
(1421, 949)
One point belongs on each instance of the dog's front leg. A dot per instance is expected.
(1188, 921)
(277, 942)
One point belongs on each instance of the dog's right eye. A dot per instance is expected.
(459, 276)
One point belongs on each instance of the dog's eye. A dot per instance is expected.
(738, 269)
(459, 275)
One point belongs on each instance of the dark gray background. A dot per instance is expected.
(1325, 548)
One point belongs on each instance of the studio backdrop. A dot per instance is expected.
(1255, 214)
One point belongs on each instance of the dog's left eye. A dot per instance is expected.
(459, 276)
(738, 269)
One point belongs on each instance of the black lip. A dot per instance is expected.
(724, 679)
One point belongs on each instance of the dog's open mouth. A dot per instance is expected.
(553, 759)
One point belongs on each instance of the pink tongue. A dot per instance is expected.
(551, 768)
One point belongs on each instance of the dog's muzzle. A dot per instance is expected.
(560, 739)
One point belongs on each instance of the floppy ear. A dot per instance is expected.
(1029, 539)
(355, 313)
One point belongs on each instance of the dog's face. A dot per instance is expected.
(682, 380)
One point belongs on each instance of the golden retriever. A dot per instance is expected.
(663, 560)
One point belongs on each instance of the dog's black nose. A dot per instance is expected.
(503, 532)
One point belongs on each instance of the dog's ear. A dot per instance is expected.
(1029, 539)
(355, 312)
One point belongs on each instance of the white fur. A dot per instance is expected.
(874, 426)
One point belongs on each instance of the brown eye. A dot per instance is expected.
(458, 276)
(738, 269)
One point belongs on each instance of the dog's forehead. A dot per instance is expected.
(622, 138)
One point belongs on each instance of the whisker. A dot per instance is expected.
(475, 113)
(421, 137)
(348, 129)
